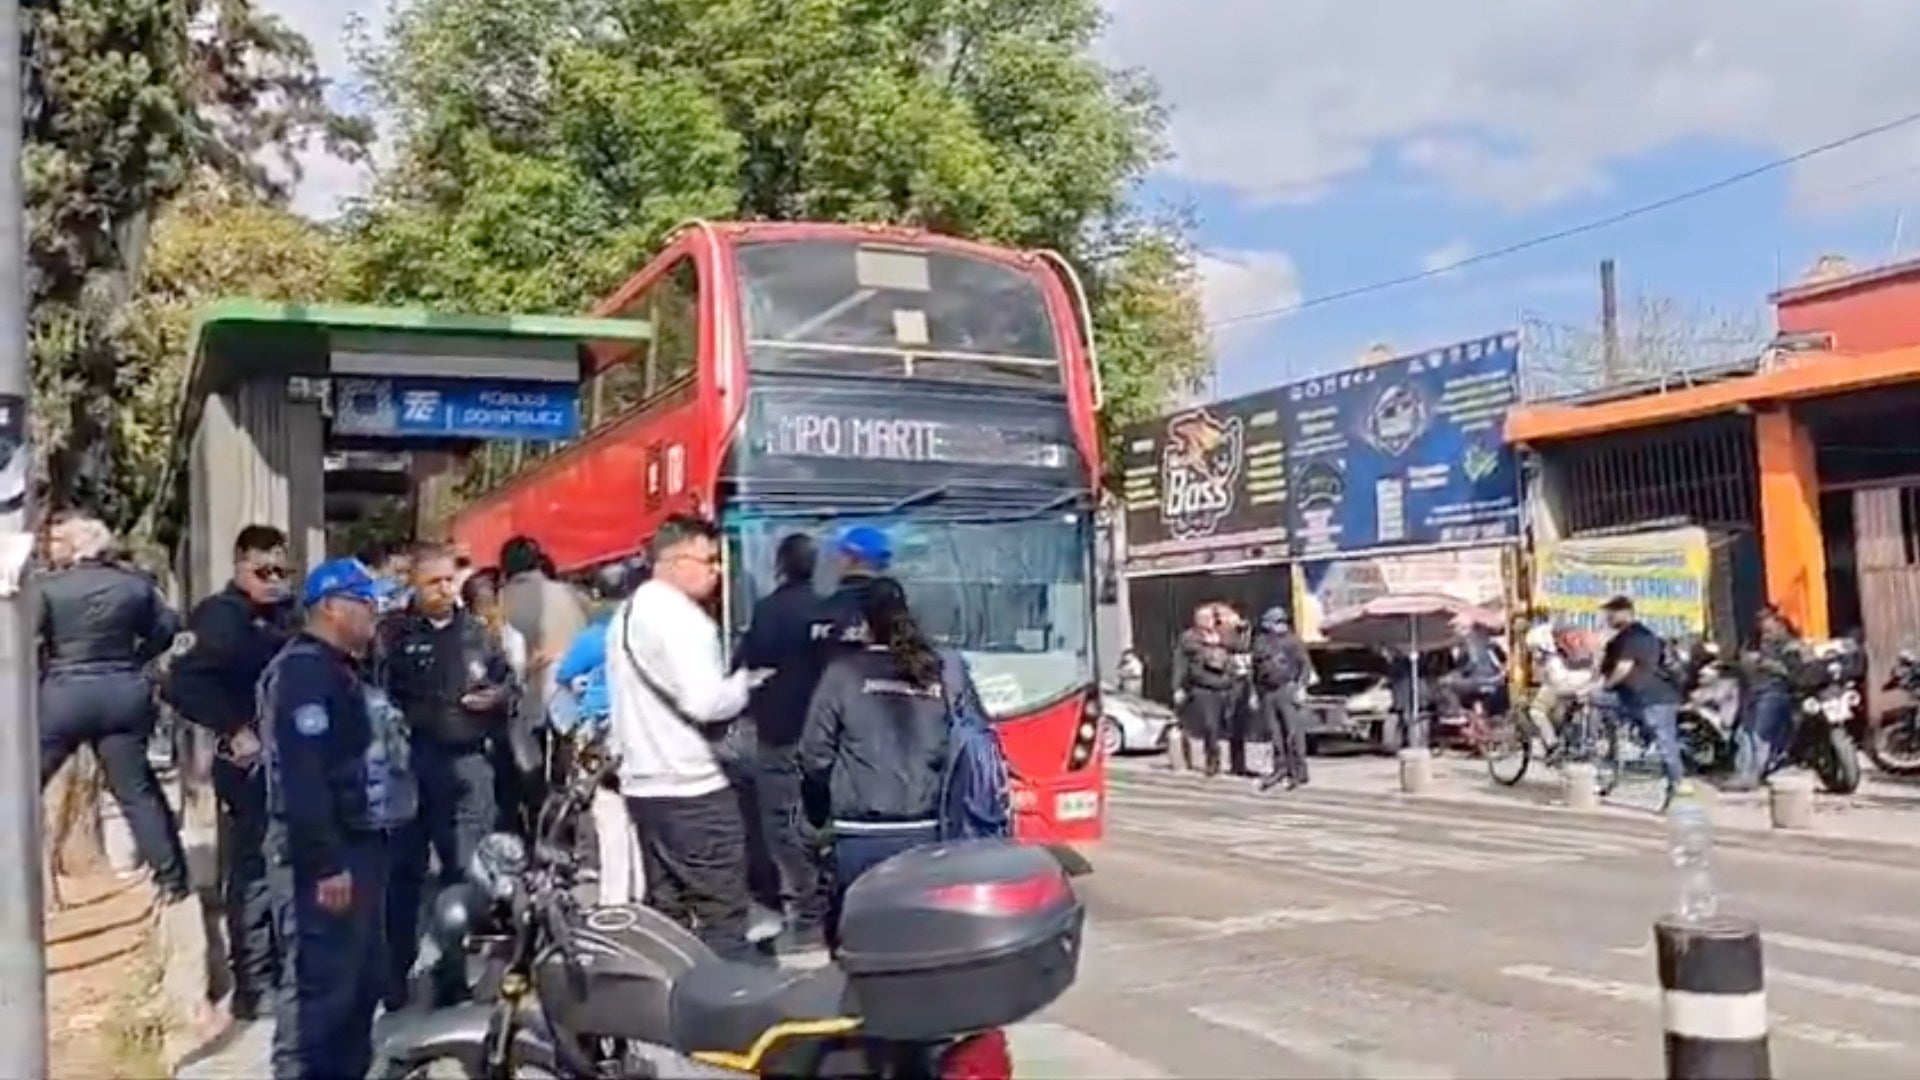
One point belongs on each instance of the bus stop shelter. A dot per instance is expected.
(272, 388)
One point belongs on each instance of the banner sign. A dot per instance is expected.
(1207, 485)
(1664, 573)
(1475, 576)
(1406, 452)
(794, 431)
(448, 408)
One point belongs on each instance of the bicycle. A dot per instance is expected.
(1590, 734)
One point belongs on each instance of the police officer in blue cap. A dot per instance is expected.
(339, 790)
(865, 554)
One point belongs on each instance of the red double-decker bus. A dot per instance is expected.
(806, 377)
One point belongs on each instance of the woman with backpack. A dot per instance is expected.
(876, 749)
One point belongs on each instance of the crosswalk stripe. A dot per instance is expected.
(1842, 949)
(1648, 994)
(1046, 1051)
(1314, 1049)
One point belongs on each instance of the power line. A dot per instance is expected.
(1594, 225)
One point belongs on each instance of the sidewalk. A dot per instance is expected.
(1883, 815)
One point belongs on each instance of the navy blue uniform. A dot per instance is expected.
(100, 626)
(426, 670)
(338, 790)
(212, 684)
(874, 754)
(787, 635)
(840, 623)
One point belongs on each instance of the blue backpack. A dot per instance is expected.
(976, 795)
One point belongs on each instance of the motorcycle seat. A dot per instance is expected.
(733, 1015)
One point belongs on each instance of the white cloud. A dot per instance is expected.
(1236, 283)
(1522, 102)
(1442, 258)
(327, 180)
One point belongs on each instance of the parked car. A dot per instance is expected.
(1351, 698)
(1131, 724)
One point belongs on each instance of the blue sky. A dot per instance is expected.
(1327, 144)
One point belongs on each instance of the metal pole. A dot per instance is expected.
(23, 961)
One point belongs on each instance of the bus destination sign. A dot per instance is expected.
(820, 431)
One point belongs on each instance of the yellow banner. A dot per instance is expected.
(1663, 573)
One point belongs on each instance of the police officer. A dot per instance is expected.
(1204, 685)
(1280, 674)
(865, 553)
(100, 626)
(448, 677)
(339, 792)
(781, 639)
(232, 636)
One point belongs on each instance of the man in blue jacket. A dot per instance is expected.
(339, 790)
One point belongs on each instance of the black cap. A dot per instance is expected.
(1618, 603)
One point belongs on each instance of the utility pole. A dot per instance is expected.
(23, 958)
(1609, 325)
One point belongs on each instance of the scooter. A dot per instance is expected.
(1710, 715)
(941, 948)
(1893, 740)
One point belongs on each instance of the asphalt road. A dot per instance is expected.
(1324, 935)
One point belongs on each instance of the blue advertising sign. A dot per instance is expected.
(437, 408)
(1406, 452)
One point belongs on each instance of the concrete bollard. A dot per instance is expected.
(1790, 799)
(1416, 771)
(1713, 999)
(1582, 782)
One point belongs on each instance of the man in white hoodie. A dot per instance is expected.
(672, 702)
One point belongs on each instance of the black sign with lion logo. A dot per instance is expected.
(1207, 485)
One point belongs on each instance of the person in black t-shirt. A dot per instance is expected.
(1632, 668)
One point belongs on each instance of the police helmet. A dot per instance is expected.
(459, 911)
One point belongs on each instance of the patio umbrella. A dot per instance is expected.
(1414, 622)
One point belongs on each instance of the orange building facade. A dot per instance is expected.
(1806, 462)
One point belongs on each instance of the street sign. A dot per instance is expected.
(1407, 452)
(441, 408)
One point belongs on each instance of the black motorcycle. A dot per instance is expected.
(941, 948)
(1830, 715)
(1893, 741)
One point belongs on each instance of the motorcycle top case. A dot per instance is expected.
(630, 957)
(957, 938)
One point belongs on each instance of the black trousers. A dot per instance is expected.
(1203, 718)
(801, 871)
(253, 953)
(456, 812)
(113, 712)
(1242, 721)
(1286, 726)
(695, 849)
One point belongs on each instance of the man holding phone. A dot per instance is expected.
(673, 702)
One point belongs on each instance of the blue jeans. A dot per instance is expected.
(1764, 733)
(1661, 723)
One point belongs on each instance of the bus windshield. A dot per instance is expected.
(851, 308)
(1014, 597)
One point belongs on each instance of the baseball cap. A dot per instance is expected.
(1274, 618)
(866, 543)
(344, 578)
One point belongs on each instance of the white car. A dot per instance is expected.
(1131, 724)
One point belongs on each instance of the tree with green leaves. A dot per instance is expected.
(128, 102)
(544, 148)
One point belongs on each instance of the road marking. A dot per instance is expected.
(1641, 993)
(1851, 991)
(1364, 911)
(1843, 949)
(1343, 1062)
(1043, 1051)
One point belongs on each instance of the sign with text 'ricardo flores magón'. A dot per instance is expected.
(1407, 452)
(1207, 485)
